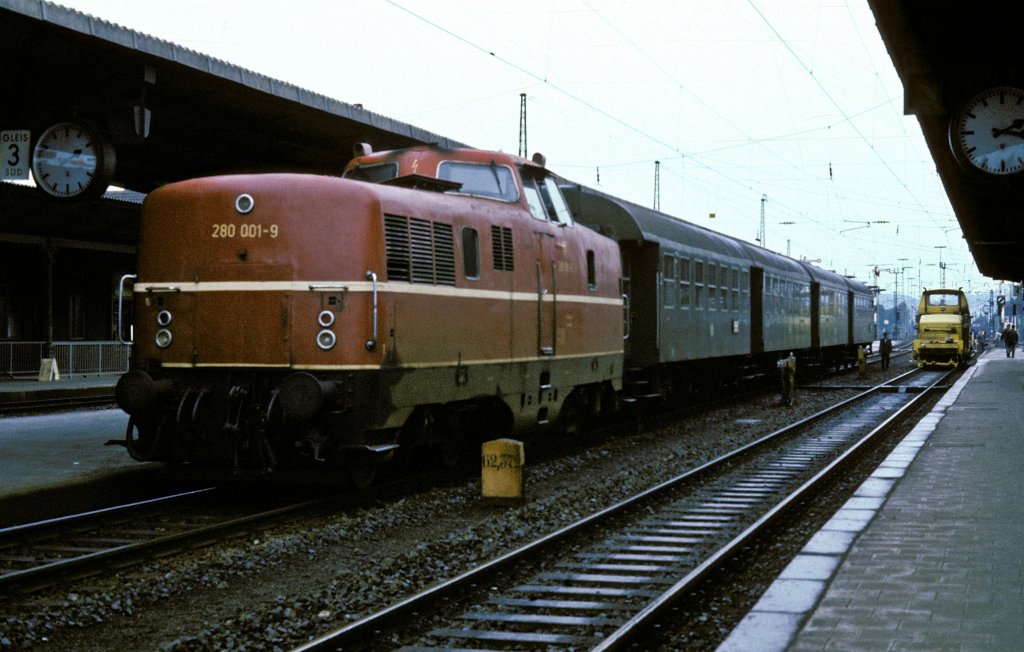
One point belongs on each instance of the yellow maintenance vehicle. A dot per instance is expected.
(943, 329)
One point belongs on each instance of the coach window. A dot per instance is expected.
(745, 288)
(698, 283)
(684, 283)
(723, 288)
(668, 281)
(712, 283)
(591, 271)
(470, 253)
(735, 289)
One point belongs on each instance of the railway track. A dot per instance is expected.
(40, 554)
(48, 404)
(599, 583)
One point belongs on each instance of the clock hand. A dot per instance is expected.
(1015, 129)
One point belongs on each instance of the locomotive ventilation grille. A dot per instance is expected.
(419, 250)
(501, 239)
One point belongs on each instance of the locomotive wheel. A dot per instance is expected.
(362, 475)
(452, 451)
(437, 430)
(574, 414)
(453, 442)
(148, 445)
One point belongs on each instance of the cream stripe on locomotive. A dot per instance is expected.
(363, 286)
(415, 365)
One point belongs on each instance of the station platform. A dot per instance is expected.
(14, 391)
(929, 552)
(61, 458)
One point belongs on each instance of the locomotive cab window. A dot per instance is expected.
(943, 299)
(545, 200)
(591, 271)
(374, 173)
(533, 199)
(558, 210)
(480, 179)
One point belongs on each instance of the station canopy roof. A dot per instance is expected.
(206, 116)
(946, 52)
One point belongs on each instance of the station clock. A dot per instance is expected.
(72, 160)
(987, 134)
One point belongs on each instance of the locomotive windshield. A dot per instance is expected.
(482, 180)
(374, 173)
(943, 299)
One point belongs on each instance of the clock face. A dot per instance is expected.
(71, 161)
(988, 134)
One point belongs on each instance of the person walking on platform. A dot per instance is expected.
(1010, 340)
(885, 348)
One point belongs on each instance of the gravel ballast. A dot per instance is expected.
(279, 586)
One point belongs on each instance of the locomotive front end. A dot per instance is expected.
(940, 342)
(255, 321)
(943, 329)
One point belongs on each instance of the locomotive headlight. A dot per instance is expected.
(244, 204)
(164, 338)
(325, 339)
(325, 318)
(164, 317)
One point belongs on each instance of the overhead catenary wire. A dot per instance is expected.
(726, 170)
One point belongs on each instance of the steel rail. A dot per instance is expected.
(628, 633)
(22, 529)
(50, 404)
(84, 564)
(366, 628)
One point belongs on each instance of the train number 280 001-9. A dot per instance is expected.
(244, 231)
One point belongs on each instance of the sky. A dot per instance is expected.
(787, 107)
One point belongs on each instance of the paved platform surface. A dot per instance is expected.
(929, 553)
(62, 451)
(16, 390)
(43, 451)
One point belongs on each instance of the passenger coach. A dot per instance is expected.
(706, 310)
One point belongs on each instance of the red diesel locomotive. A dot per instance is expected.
(289, 320)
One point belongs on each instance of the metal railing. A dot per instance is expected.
(22, 359)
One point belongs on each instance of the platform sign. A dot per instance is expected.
(14, 154)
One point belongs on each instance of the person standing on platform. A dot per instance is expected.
(1010, 340)
(885, 348)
